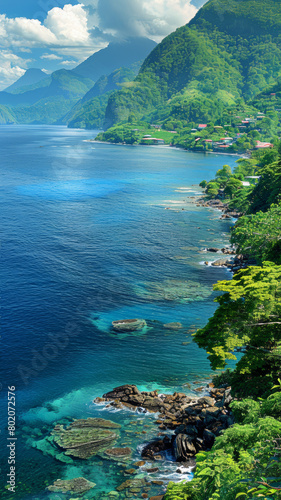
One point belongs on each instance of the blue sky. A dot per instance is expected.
(31, 8)
(56, 34)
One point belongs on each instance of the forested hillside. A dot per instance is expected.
(226, 55)
(89, 112)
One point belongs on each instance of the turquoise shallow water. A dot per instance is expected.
(92, 233)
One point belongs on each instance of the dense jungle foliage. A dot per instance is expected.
(245, 461)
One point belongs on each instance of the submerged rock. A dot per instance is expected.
(77, 485)
(86, 437)
(128, 325)
(181, 291)
(119, 452)
(131, 483)
(173, 326)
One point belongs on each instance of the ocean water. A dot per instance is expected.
(93, 233)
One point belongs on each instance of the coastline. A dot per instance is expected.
(187, 424)
(165, 146)
(171, 338)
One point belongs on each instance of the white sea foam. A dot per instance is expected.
(176, 202)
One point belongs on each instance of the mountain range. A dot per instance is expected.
(227, 55)
(40, 98)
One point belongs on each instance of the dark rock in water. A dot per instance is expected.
(141, 410)
(195, 421)
(152, 470)
(130, 395)
(77, 485)
(86, 437)
(128, 325)
(221, 262)
(173, 326)
(191, 431)
(214, 250)
(121, 391)
(153, 403)
(153, 449)
(228, 251)
(99, 401)
(183, 448)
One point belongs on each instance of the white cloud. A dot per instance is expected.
(151, 18)
(68, 63)
(23, 31)
(12, 67)
(62, 27)
(25, 49)
(51, 57)
(91, 24)
(77, 31)
(69, 24)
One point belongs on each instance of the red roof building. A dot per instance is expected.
(263, 145)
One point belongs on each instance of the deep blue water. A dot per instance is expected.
(86, 239)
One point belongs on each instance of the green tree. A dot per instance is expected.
(248, 318)
(212, 189)
(259, 235)
(232, 185)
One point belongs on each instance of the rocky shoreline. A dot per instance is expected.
(187, 425)
(236, 261)
(200, 420)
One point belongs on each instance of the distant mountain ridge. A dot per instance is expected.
(116, 55)
(61, 83)
(51, 99)
(30, 77)
(40, 98)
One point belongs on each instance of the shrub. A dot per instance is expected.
(246, 411)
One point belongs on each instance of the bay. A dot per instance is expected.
(93, 233)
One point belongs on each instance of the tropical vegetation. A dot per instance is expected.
(245, 460)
